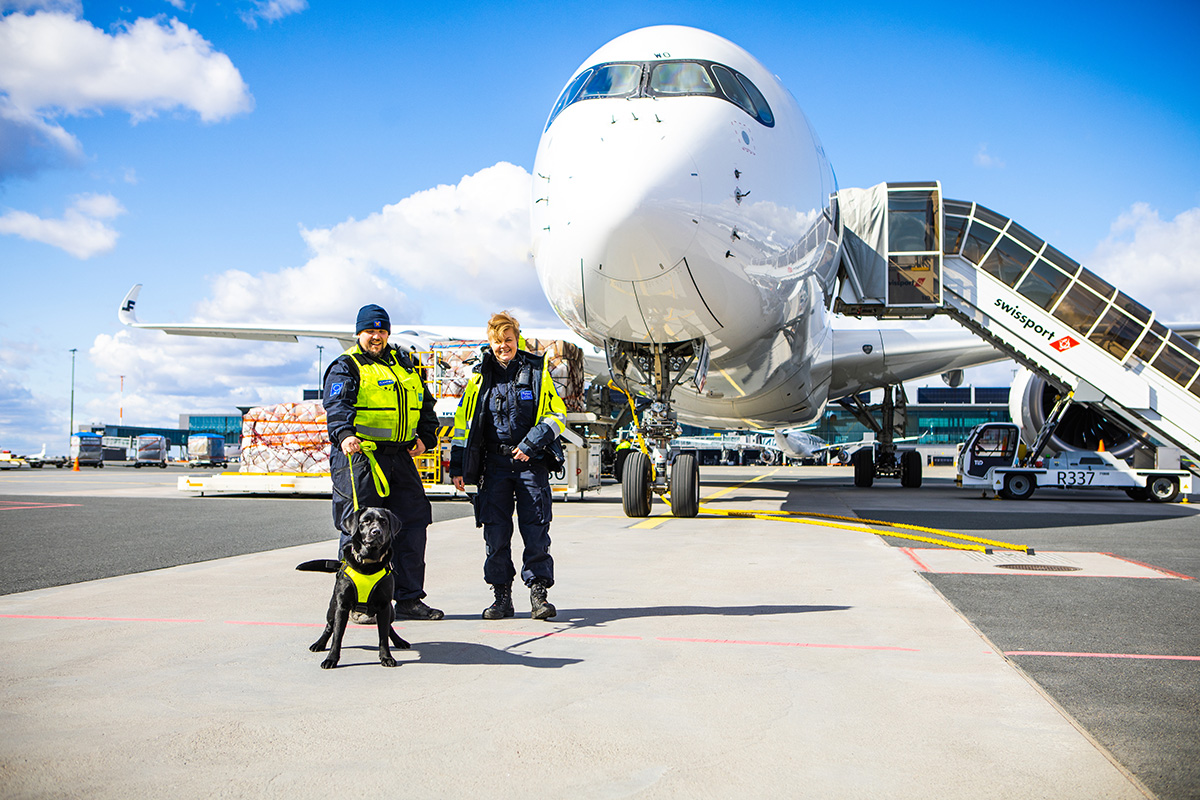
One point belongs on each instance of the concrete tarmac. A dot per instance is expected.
(709, 657)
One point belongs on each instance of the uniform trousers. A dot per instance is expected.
(406, 500)
(508, 482)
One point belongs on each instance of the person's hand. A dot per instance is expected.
(417, 448)
(351, 445)
(458, 482)
(519, 454)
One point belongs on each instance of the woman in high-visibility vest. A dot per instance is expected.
(505, 440)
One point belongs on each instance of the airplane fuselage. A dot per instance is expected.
(680, 194)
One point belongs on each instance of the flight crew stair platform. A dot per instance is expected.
(907, 253)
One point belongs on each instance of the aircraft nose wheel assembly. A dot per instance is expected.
(648, 470)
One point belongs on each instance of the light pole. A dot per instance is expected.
(72, 423)
(320, 354)
(121, 405)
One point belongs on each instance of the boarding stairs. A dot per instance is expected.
(908, 254)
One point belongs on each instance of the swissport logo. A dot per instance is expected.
(1023, 318)
(1064, 344)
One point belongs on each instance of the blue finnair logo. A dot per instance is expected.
(335, 390)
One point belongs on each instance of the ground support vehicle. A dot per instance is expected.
(151, 449)
(991, 459)
(87, 449)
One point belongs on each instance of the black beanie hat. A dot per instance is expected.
(372, 317)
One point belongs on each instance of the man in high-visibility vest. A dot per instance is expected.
(380, 416)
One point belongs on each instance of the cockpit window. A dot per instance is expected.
(733, 90)
(612, 80)
(666, 79)
(569, 93)
(681, 77)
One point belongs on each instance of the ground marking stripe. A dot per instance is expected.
(95, 619)
(6, 505)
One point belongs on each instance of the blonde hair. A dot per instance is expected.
(500, 322)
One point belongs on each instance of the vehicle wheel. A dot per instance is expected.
(1018, 486)
(1138, 493)
(864, 467)
(767, 457)
(1162, 488)
(910, 469)
(685, 486)
(163, 465)
(636, 496)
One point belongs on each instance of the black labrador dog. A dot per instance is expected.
(364, 583)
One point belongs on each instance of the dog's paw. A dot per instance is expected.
(403, 645)
(316, 647)
(328, 663)
(387, 661)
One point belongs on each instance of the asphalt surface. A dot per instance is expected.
(1125, 667)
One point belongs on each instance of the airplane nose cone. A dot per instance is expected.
(641, 200)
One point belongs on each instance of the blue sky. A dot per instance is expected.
(285, 161)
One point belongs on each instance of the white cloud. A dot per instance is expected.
(81, 230)
(1154, 261)
(272, 10)
(53, 64)
(463, 246)
(466, 245)
(987, 160)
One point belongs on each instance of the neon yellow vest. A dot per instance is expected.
(364, 583)
(389, 400)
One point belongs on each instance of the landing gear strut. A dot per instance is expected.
(660, 368)
(884, 460)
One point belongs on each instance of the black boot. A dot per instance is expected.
(541, 607)
(503, 606)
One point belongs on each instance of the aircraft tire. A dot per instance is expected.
(910, 469)
(864, 468)
(1162, 488)
(636, 496)
(685, 486)
(1018, 486)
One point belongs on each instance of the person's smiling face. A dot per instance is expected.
(373, 340)
(504, 345)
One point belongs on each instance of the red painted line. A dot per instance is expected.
(792, 644)
(94, 619)
(1164, 571)
(1099, 655)
(280, 624)
(908, 551)
(566, 635)
(14, 506)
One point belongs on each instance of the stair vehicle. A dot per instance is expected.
(992, 459)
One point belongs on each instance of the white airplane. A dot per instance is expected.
(685, 228)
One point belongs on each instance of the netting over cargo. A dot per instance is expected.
(288, 437)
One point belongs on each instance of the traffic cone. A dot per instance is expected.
(76, 467)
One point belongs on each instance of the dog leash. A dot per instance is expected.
(382, 488)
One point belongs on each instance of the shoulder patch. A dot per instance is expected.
(335, 390)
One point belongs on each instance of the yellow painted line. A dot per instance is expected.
(653, 522)
(732, 382)
(729, 489)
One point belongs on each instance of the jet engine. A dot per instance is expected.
(1032, 398)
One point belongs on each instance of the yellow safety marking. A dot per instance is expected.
(786, 516)
(732, 382)
(654, 522)
(729, 489)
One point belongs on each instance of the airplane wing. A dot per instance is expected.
(412, 337)
(268, 333)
